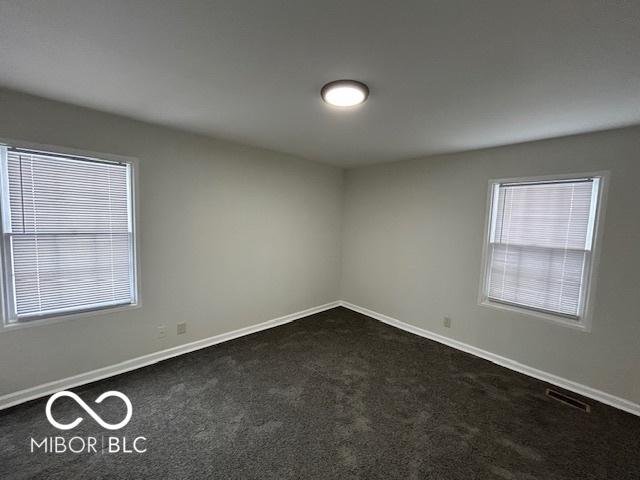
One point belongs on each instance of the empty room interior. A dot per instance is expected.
(320, 240)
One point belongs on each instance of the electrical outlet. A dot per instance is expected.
(162, 331)
(447, 322)
(182, 328)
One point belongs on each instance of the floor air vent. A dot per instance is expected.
(567, 400)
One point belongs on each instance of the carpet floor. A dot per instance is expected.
(333, 396)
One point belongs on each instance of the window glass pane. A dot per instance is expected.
(70, 241)
(544, 278)
(554, 215)
(539, 249)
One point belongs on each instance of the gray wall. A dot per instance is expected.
(230, 236)
(412, 247)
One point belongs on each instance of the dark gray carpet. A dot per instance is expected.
(335, 395)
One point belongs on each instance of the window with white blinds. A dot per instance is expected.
(540, 244)
(68, 241)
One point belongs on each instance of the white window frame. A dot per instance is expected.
(5, 326)
(585, 318)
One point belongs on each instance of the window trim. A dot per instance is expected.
(583, 323)
(53, 318)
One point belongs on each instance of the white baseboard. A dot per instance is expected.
(38, 391)
(578, 388)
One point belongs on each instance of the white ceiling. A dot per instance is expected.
(445, 75)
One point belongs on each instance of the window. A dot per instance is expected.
(540, 246)
(67, 234)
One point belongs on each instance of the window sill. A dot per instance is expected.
(9, 327)
(579, 325)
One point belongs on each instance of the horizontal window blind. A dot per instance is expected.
(540, 244)
(69, 233)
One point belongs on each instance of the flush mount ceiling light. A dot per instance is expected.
(344, 93)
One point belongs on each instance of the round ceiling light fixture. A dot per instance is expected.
(344, 93)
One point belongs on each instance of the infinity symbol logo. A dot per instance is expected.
(89, 410)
